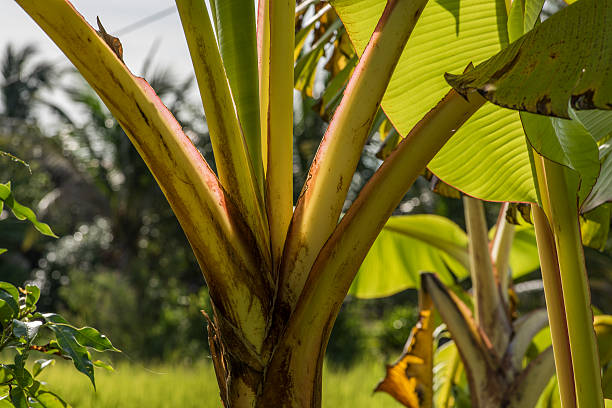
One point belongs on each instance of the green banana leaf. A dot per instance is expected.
(407, 245)
(21, 212)
(545, 70)
(602, 190)
(446, 364)
(410, 244)
(487, 158)
(524, 256)
(575, 144)
(566, 142)
(565, 60)
(595, 226)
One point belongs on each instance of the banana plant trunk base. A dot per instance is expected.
(276, 384)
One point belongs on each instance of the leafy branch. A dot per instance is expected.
(21, 326)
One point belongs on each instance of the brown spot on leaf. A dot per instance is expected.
(583, 100)
(417, 14)
(142, 114)
(531, 67)
(507, 67)
(543, 105)
(553, 55)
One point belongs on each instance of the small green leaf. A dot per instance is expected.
(305, 67)
(515, 20)
(86, 336)
(32, 295)
(27, 330)
(2, 250)
(6, 313)
(22, 212)
(12, 290)
(5, 403)
(102, 364)
(53, 346)
(65, 336)
(44, 398)
(532, 13)
(335, 89)
(40, 365)
(90, 337)
(446, 363)
(524, 253)
(54, 318)
(9, 306)
(18, 398)
(23, 377)
(540, 342)
(6, 374)
(522, 16)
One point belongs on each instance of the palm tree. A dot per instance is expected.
(22, 82)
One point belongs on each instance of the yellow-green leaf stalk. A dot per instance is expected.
(562, 214)
(555, 307)
(324, 192)
(500, 251)
(263, 65)
(278, 115)
(490, 312)
(229, 146)
(235, 26)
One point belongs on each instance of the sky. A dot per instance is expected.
(18, 28)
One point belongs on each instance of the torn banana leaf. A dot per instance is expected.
(410, 379)
(519, 77)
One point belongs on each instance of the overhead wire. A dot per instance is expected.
(123, 31)
(146, 20)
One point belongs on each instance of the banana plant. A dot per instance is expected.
(522, 69)
(277, 274)
(491, 343)
(490, 340)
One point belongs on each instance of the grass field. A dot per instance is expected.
(165, 386)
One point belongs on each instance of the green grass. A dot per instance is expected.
(163, 386)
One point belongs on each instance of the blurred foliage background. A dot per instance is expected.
(122, 263)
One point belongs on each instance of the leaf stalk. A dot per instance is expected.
(562, 213)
